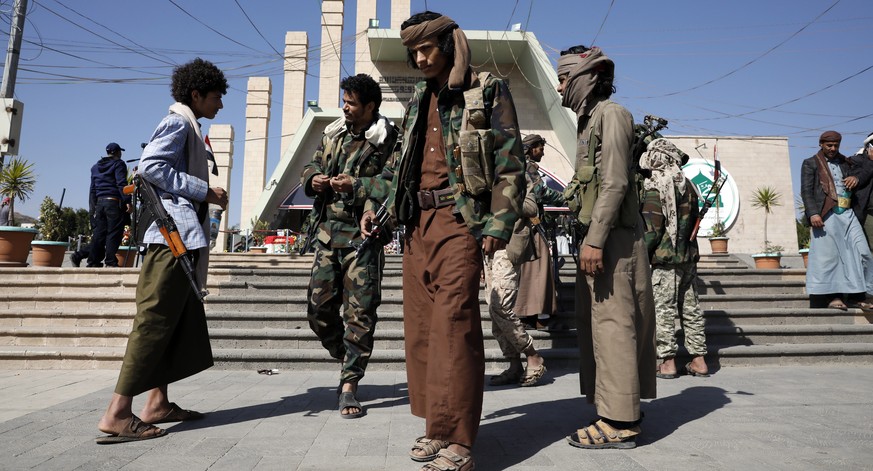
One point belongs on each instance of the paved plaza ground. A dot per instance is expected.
(741, 418)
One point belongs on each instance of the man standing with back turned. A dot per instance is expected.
(108, 179)
(353, 151)
(614, 305)
(457, 184)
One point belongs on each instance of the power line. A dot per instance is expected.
(756, 59)
(99, 35)
(210, 28)
(594, 41)
(115, 32)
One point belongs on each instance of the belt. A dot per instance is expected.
(430, 199)
(108, 198)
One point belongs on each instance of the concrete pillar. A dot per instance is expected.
(294, 91)
(255, 161)
(221, 140)
(331, 51)
(399, 13)
(366, 10)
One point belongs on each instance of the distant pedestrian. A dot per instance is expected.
(840, 263)
(110, 204)
(537, 297)
(4, 212)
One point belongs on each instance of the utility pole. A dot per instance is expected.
(7, 90)
(10, 71)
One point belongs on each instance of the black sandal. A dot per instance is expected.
(347, 400)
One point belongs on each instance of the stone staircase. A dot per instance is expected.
(78, 318)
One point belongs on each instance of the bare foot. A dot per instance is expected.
(667, 367)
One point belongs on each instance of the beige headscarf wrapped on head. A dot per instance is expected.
(664, 159)
(582, 71)
(414, 34)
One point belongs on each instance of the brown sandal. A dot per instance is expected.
(602, 435)
(428, 446)
(450, 461)
(531, 378)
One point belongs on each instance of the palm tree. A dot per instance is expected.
(766, 198)
(16, 181)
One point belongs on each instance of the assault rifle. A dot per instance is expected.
(650, 127)
(379, 223)
(709, 199)
(167, 226)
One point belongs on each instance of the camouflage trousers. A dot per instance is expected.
(501, 290)
(342, 280)
(675, 291)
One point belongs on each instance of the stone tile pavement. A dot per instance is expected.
(741, 418)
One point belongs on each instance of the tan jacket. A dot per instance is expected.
(613, 162)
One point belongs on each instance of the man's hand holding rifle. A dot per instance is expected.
(167, 226)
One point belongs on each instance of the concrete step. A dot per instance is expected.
(236, 338)
(306, 359)
(228, 319)
(12, 357)
(784, 316)
(788, 334)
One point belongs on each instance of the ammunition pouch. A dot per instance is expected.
(476, 142)
(582, 193)
(476, 148)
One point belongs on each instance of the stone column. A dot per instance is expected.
(294, 92)
(399, 13)
(221, 140)
(363, 63)
(255, 147)
(330, 69)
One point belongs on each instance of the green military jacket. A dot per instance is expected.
(361, 157)
(491, 213)
(662, 252)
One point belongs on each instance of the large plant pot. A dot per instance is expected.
(15, 245)
(126, 256)
(48, 253)
(257, 249)
(805, 254)
(767, 261)
(718, 244)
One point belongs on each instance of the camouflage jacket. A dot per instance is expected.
(538, 192)
(492, 213)
(661, 250)
(361, 157)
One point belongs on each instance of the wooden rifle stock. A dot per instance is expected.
(168, 229)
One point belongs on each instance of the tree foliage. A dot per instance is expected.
(17, 180)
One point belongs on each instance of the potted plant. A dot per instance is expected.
(16, 183)
(50, 251)
(803, 241)
(767, 198)
(259, 233)
(718, 240)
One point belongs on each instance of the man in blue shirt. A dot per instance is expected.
(108, 205)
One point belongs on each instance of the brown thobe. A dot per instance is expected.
(442, 266)
(536, 286)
